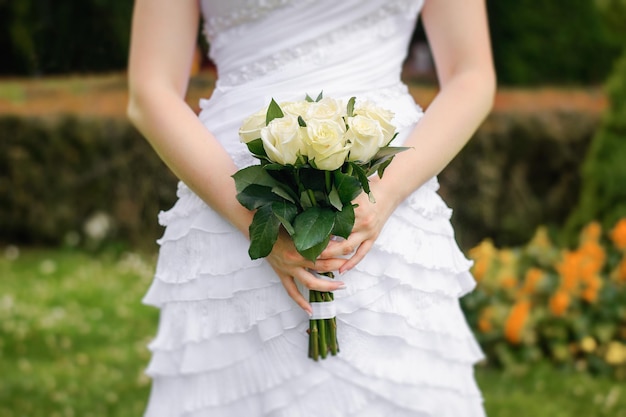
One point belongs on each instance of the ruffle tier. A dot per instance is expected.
(232, 343)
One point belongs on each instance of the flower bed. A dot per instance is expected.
(541, 301)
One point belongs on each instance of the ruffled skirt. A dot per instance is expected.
(232, 343)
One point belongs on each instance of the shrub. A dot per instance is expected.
(70, 180)
(551, 42)
(51, 37)
(519, 171)
(541, 301)
(603, 194)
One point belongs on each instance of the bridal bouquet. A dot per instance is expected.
(316, 157)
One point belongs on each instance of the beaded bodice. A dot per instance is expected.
(284, 49)
(252, 38)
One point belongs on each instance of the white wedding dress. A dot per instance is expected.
(230, 341)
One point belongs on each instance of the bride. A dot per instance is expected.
(232, 334)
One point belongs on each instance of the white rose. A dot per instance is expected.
(296, 108)
(326, 108)
(366, 137)
(282, 140)
(326, 143)
(382, 116)
(251, 127)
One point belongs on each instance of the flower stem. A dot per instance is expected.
(314, 352)
(323, 346)
(331, 326)
(312, 197)
(328, 182)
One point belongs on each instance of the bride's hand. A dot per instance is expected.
(289, 265)
(369, 221)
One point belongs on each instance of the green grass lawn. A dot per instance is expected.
(73, 334)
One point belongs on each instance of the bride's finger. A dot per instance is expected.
(340, 248)
(312, 283)
(358, 256)
(327, 265)
(332, 250)
(294, 293)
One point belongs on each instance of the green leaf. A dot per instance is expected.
(313, 226)
(309, 98)
(285, 213)
(301, 121)
(254, 174)
(305, 200)
(344, 221)
(255, 196)
(256, 148)
(383, 158)
(312, 253)
(320, 96)
(273, 112)
(334, 200)
(285, 192)
(383, 166)
(263, 232)
(389, 151)
(362, 176)
(351, 106)
(348, 187)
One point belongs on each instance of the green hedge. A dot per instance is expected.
(519, 171)
(56, 37)
(555, 42)
(57, 177)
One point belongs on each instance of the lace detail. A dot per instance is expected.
(250, 11)
(374, 25)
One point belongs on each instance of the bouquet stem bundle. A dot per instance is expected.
(322, 332)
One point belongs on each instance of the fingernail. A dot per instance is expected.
(342, 287)
(310, 313)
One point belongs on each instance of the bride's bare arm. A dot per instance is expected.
(459, 39)
(162, 44)
(163, 39)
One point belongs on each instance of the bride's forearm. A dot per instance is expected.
(447, 125)
(189, 150)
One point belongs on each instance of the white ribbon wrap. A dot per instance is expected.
(323, 310)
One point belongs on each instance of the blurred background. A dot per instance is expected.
(539, 199)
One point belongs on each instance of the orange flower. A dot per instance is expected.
(484, 321)
(591, 232)
(618, 234)
(559, 303)
(508, 281)
(483, 255)
(569, 269)
(480, 268)
(594, 255)
(516, 321)
(531, 279)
